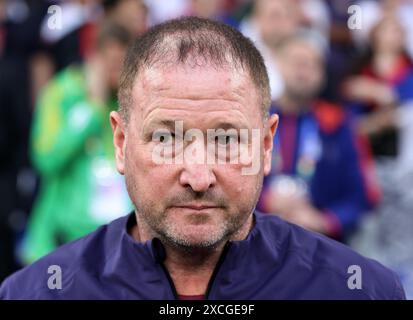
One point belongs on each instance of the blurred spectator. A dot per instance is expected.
(274, 20)
(130, 14)
(72, 149)
(385, 81)
(75, 39)
(387, 235)
(15, 118)
(221, 10)
(314, 16)
(212, 9)
(342, 49)
(70, 42)
(319, 174)
(19, 40)
(374, 11)
(384, 94)
(271, 22)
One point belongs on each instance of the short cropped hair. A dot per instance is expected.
(184, 40)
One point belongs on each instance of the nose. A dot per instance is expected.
(199, 177)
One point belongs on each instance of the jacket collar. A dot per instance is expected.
(140, 264)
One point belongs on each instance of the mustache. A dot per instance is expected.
(190, 196)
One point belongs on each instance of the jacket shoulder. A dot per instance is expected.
(52, 276)
(334, 268)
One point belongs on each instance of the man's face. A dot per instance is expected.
(276, 20)
(207, 8)
(388, 36)
(186, 203)
(132, 15)
(302, 69)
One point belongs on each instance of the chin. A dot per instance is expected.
(197, 236)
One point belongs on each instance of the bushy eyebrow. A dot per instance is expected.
(159, 123)
(230, 125)
(170, 125)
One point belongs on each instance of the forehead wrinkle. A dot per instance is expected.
(156, 89)
(191, 104)
(206, 117)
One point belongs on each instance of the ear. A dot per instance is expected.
(270, 130)
(118, 129)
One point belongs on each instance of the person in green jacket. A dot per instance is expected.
(72, 149)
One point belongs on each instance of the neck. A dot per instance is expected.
(190, 269)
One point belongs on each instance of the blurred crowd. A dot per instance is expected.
(341, 77)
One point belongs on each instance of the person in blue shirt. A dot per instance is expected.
(321, 176)
(195, 233)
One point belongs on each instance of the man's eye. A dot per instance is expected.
(226, 139)
(164, 137)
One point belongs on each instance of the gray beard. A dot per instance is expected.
(169, 236)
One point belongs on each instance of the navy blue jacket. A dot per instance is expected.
(278, 260)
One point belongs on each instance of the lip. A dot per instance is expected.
(197, 207)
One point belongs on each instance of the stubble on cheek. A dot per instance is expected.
(146, 184)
